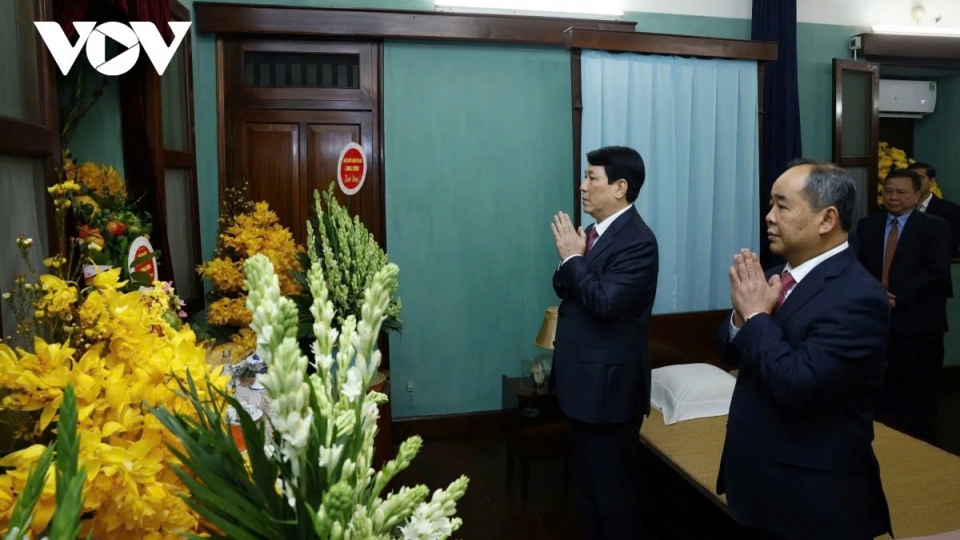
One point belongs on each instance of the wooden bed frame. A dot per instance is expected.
(682, 507)
(685, 338)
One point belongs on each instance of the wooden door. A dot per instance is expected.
(285, 155)
(856, 127)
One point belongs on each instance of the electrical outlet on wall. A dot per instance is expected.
(410, 390)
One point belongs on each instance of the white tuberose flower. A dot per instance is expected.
(354, 384)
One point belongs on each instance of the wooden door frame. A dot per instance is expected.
(577, 39)
(40, 138)
(366, 99)
(305, 118)
(870, 160)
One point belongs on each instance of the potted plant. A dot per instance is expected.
(349, 257)
(312, 478)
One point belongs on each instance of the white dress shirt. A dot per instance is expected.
(922, 206)
(798, 274)
(601, 227)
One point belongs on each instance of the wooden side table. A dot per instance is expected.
(530, 438)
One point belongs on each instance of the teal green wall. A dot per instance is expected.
(98, 136)
(935, 141)
(477, 162)
(817, 46)
(661, 23)
(935, 137)
(477, 159)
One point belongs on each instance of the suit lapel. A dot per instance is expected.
(878, 240)
(607, 237)
(911, 229)
(813, 283)
(801, 294)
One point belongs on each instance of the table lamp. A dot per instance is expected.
(548, 330)
(539, 368)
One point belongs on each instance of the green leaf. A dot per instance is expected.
(65, 524)
(220, 486)
(22, 513)
(144, 258)
(232, 509)
(142, 279)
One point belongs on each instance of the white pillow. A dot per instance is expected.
(688, 391)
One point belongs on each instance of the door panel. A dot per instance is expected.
(326, 139)
(286, 155)
(267, 156)
(856, 127)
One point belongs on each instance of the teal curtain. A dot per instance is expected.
(695, 122)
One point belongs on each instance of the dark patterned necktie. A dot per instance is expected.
(890, 251)
(786, 281)
(591, 238)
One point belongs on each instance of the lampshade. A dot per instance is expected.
(548, 330)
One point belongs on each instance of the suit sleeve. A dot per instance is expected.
(935, 273)
(954, 223)
(728, 352)
(840, 350)
(624, 280)
(558, 285)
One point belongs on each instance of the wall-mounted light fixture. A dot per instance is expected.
(917, 30)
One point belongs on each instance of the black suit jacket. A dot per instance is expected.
(798, 459)
(601, 357)
(950, 212)
(920, 271)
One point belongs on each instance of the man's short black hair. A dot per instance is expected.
(906, 173)
(931, 172)
(621, 162)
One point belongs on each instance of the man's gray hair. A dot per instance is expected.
(829, 185)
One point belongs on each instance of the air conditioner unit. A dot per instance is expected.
(907, 99)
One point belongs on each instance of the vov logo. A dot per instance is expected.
(95, 39)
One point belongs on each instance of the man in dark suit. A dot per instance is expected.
(909, 253)
(808, 339)
(931, 204)
(607, 282)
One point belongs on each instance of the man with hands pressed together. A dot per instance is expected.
(607, 283)
(808, 340)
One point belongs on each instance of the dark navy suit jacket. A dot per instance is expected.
(920, 271)
(798, 459)
(950, 212)
(601, 357)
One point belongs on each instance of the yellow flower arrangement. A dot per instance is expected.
(107, 223)
(892, 158)
(103, 181)
(123, 353)
(253, 229)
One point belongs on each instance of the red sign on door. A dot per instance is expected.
(352, 168)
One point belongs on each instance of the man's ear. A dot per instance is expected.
(830, 221)
(622, 187)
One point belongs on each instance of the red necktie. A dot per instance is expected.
(591, 238)
(890, 251)
(786, 281)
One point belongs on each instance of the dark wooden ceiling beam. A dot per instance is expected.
(669, 44)
(911, 50)
(217, 18)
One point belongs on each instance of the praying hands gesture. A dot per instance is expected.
(569, 241)
(750, 291)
